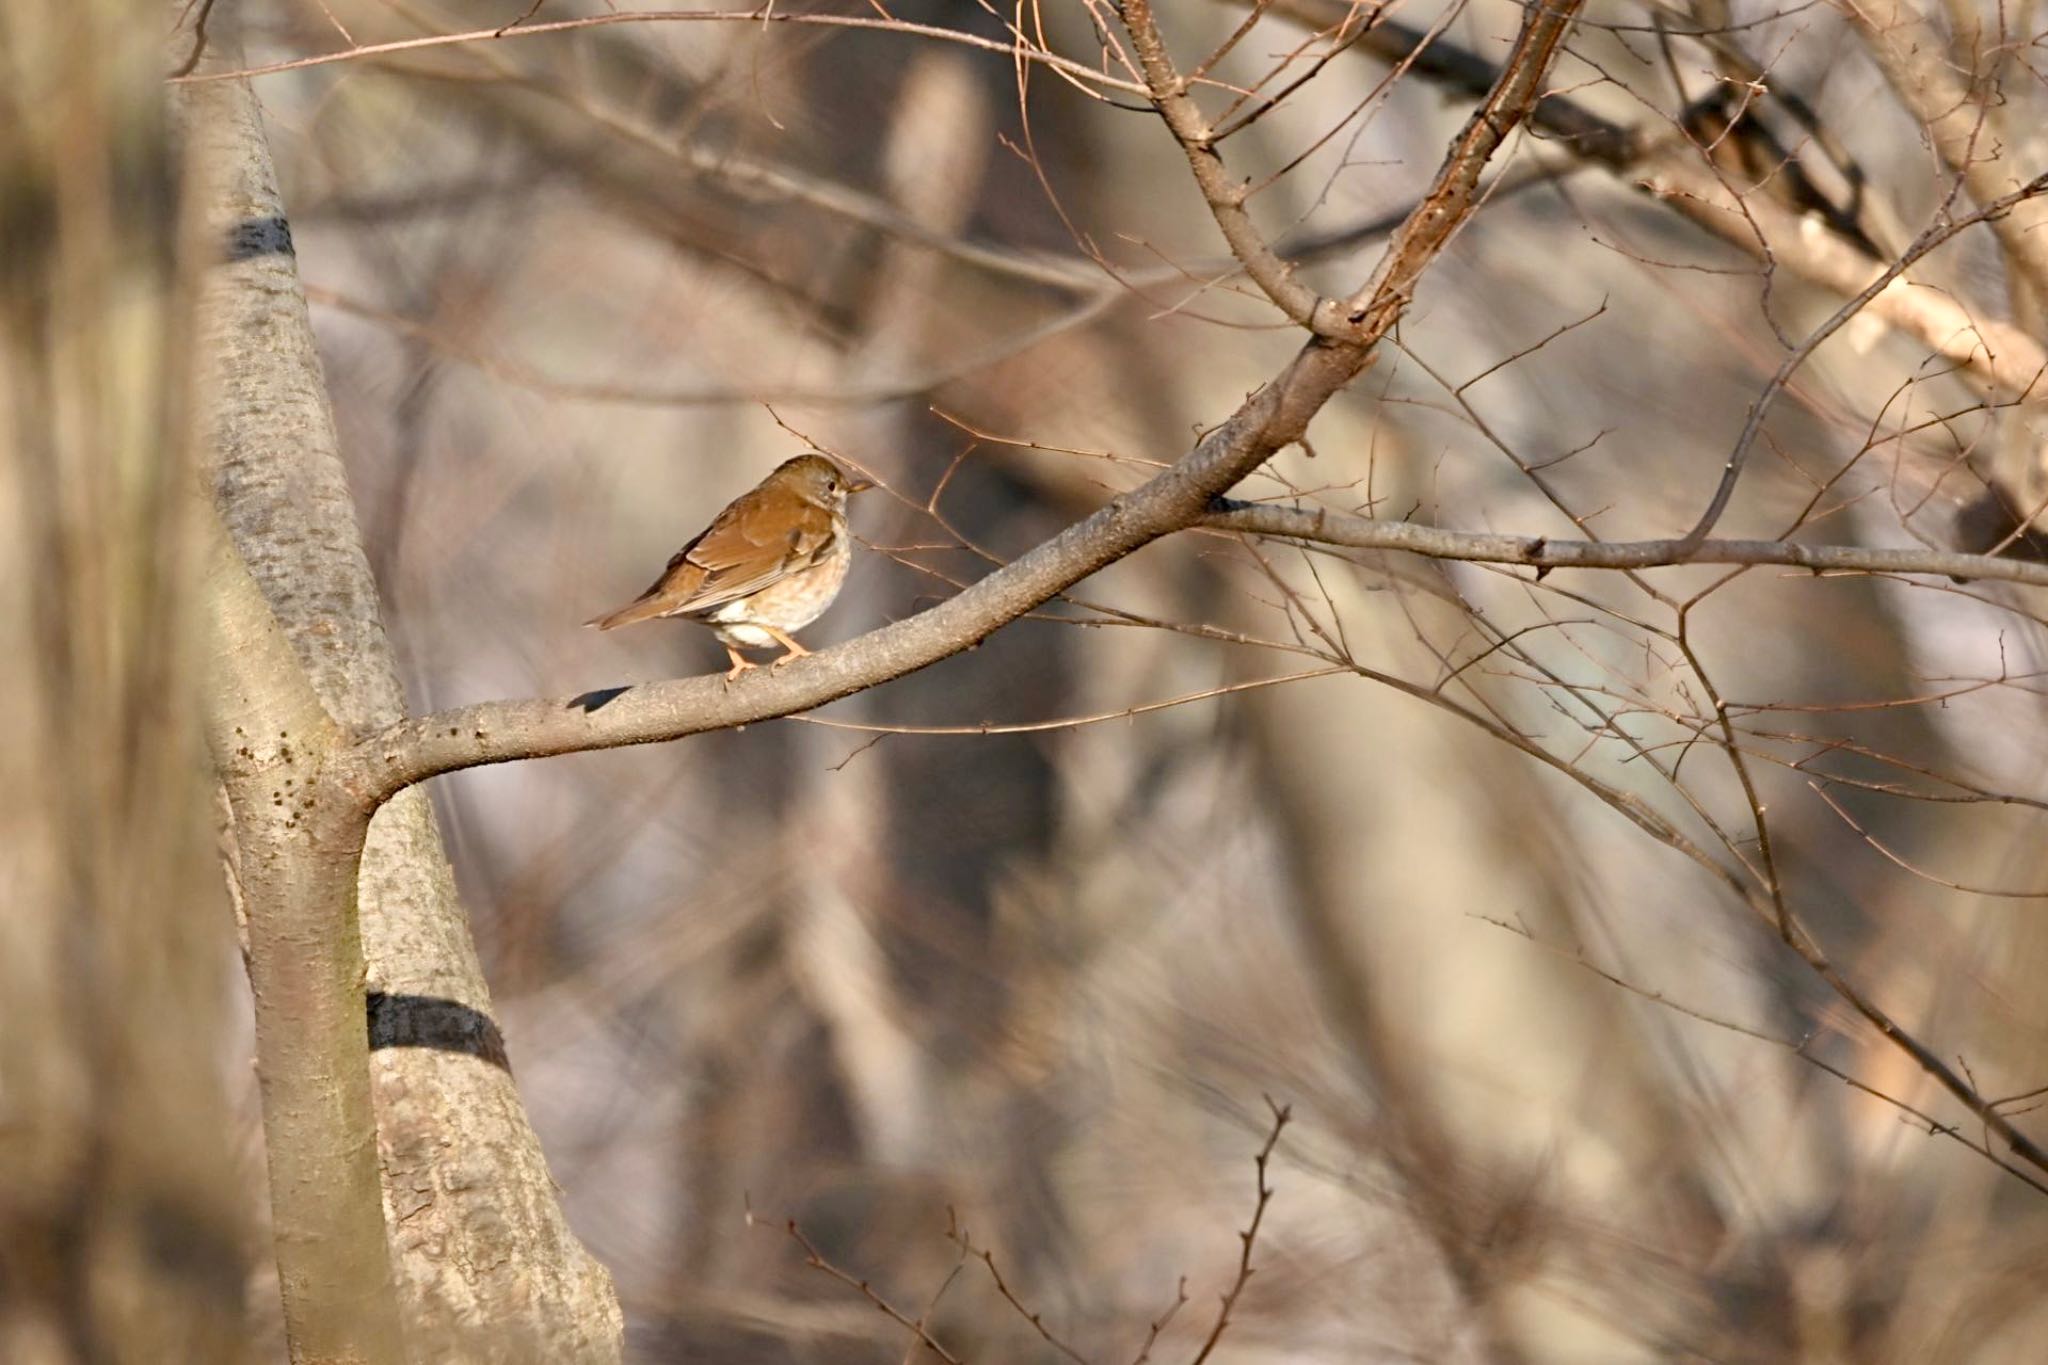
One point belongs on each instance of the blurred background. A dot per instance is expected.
(1558, 1094)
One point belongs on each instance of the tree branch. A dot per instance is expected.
(1276, 415)
(1225, 195)
(1998, 355)
(498, 732)
(1543, 553)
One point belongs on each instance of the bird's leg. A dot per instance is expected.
(740, 664)
(788, 642)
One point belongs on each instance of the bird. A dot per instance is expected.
(770, 563)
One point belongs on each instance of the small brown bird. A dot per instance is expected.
(770, 563)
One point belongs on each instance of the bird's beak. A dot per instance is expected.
(859, 485)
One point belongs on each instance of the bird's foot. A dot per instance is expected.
(792, 650)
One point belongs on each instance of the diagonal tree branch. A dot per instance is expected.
(497, 732)
(1274, 416)
(1225, 194)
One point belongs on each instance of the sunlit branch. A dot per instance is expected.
(1545, 553)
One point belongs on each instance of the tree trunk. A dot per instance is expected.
(486, 1265)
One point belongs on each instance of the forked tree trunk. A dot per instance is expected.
(485, 1264)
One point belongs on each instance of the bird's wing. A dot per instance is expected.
(750, 545)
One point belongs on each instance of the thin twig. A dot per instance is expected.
(1245, 1270)
(764, 16)
(1801, 1049)
(1935, 236)
(815, 1259)
(1158, 1324)
(958, 1236)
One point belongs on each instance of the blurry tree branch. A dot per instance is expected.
(1993, 211)
(1998, 356)
(1968, 132)
(2001, 356)
(1426, 53)
(884, 387)
(527, 99)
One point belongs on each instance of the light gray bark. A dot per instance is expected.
(296, 850)
(486, 1265)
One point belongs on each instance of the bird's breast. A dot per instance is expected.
(795, 599)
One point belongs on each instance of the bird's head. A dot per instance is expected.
(819, 480)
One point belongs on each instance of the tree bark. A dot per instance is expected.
(485, 1263)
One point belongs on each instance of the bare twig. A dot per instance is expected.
(1934, 237)
(1082, 73)
(1967, 133)
(1801, 1049)
(958, 1236)
(815, 1259)
(1900, 860)
(1802, 943)
(1075, 722)
(1246, 1239)
(1158, 1324)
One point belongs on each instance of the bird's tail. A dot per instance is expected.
(642, 609)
